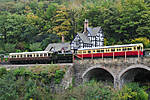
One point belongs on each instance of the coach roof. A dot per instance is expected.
(115, 46)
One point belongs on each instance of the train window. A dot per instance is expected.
(102, 51)
(118, 49)
(89, 51)
(107, 50)
(98, 51)
(21, 56)
(49, 54)
(113, 50)
(129, 49)
(138, 48)
(28, 55)
(84, 51)
(41, 55)
(134, 48)
(45, 54)
(124, 49)
(79, 52)
(17, 56)
(93, 51)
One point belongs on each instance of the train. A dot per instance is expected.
(49, 57)
(111, 51)
(38, 57)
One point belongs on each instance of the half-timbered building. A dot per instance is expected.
(91, 37)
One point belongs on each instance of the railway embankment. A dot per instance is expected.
(59, 75)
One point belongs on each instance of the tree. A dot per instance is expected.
(62, 25)
(35, 47)
(143, 40)
(130, 22)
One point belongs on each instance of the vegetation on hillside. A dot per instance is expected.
(28, 24)
(43, 83)
(30, 83)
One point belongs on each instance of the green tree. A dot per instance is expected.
(144, 40)
(35, 47)
(62, 25)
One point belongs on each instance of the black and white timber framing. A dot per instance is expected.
(91, 37)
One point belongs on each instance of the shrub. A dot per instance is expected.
(89, 91)
(59, 74)
(8, 87)
(2, 71)
(132, 91)
(32, 91)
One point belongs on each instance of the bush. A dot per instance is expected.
(59, 74)
(89, 91)
(8, 86)
(132, 91)
(2, 71)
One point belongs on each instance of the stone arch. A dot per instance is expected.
(128, 74)
(98, 69)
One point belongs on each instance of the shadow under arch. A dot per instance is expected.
(135, 73)
(98, 73)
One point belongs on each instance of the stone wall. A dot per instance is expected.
(116, 67)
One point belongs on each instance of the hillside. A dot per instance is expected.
(29, 25)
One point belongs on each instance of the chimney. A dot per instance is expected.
(62, 38)
(85, 25)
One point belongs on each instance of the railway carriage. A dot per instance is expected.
(110, 51)
(39, 57)
(30, 57)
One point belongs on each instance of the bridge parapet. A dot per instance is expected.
(131, 60)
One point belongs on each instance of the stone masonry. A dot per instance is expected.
(118, 69)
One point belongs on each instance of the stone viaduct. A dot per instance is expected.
(118, 71)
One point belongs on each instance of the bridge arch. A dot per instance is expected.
(134, 73)
(99, 73)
